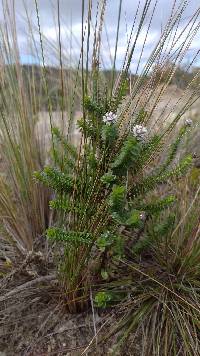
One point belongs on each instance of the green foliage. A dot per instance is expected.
(102, 299)
(85, 127)
(134, 219)
(60, 204)
(104, 275)
(108, 178)
(118, 247)
(105, 240)
(105, 299)
(109, 134)
(64, 153)
(161, 230)
(55, 179)
(156, 232)
(113, 242)
(148, 149)
(93, 107)
(72, 238)
(92, 160)
(128, 157)
(150, 182)
(117, 198)
(64, 143)
(183, 167)
(158, 206)
(173, 148)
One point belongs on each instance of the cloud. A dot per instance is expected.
(71, 28)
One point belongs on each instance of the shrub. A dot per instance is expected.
(101, 196)
(102, 185)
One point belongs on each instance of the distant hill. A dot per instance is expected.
(33, 78)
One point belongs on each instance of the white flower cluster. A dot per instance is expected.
(140, 132)
(188, 122)
(143, 216)
(110, 118)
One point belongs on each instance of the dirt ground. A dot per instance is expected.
(34, 322)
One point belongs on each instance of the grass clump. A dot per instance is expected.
(161, 281)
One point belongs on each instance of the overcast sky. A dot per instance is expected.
(70, 11)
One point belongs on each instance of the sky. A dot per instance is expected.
(70, 22)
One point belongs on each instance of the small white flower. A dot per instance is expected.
(188, 122)
(143, 216)
(109, 118)
(140, 132)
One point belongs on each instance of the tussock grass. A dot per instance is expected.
(163, 285)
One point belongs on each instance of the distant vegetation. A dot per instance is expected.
(32, 76)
